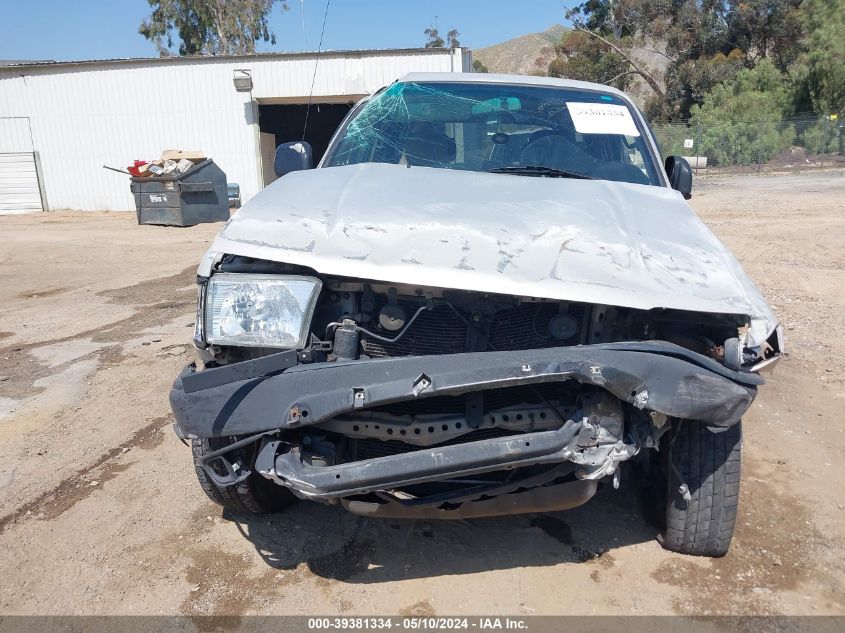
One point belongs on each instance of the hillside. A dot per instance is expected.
(521, 54)
(530, 55)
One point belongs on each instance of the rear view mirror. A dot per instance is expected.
(680, 175)
(508, 104)
(293, 156)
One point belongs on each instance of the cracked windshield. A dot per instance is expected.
(526, 130)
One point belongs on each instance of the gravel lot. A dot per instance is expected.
(100, 512)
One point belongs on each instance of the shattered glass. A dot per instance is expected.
(497, 127)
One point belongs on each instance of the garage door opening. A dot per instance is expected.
(285, 122)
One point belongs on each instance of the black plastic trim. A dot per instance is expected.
(657, 376)
(246, 370)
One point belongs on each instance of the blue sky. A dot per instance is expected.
(96, 29)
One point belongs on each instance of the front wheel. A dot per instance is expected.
(254, 495)
(702, 476)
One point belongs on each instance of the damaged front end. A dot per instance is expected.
(425, 402)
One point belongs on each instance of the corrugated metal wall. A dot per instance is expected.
(14, 135)
(85, 115)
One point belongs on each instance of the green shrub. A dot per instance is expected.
(744, 142)
(741, 121)
(820, 138)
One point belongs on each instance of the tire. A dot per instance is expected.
(254, 495)
(707, 461)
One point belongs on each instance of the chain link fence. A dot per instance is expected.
(803, 139)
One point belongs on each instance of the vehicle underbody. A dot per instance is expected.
(426, 402)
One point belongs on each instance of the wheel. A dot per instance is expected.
(254, 495)
(702, 472)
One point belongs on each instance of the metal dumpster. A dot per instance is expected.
(193, 197)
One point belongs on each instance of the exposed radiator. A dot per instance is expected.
(437, 331)
(441, 331)
(526, 326)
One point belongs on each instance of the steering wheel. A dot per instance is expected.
(542, 136)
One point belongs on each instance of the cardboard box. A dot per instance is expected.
(194, 156)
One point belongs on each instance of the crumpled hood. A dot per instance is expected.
(594, 241)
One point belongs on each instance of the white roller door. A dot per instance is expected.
(19, 191)
(19, 185)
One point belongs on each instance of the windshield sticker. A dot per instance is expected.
(602, 118)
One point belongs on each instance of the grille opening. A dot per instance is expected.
(562, 393)
(441, 331)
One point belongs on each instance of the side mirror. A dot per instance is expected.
(293, 156)
(680, 175)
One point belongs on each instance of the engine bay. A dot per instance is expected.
(369, 319)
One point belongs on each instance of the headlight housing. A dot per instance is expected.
(259, 310)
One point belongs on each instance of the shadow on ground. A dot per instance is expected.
(337, 545)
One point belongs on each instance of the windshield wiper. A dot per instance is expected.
(539, 170)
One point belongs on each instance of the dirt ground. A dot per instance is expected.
(100, 512)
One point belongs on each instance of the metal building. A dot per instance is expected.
(60, 122)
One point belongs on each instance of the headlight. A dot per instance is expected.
(259, 310)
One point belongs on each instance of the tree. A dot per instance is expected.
(741, 121)
(479, 67)
(688, 81)
(602, 40)
(209, 27)
(544, 60)
(704, 42)
(581, 56)
(765, 29)
(825, 58)
(435, 41)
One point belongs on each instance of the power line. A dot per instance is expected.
(316, 63)
(304, 32)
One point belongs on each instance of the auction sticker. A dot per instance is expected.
(602, 118)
